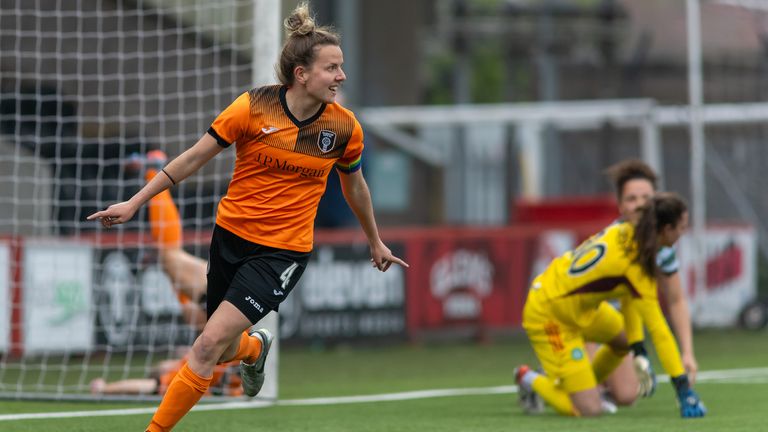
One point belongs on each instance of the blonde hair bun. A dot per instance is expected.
(299, 23)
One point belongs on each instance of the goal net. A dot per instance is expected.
(88, 89)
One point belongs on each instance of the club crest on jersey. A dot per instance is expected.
(326, 140)
(577, 354)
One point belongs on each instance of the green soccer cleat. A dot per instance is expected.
(252, 374)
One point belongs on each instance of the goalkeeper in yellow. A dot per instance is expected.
(567, 305)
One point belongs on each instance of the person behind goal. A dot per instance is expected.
(225, 381)
(187, 274)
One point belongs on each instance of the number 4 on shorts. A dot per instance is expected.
(286, 276)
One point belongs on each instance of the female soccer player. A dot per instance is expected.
(566, 306)
(288, 137)
(635, 183)
(186, 271)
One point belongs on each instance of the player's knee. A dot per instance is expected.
(623, 387)
(208, 348)
(591, 410)
(625, 397)
(589, 407)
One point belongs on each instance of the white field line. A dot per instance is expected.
(737, 376)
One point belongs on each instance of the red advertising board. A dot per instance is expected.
(472, 277)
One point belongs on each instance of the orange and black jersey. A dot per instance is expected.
(282, 165)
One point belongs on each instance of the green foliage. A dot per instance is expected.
(439, 90)
(487, 73)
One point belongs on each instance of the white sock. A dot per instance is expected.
(527, 379)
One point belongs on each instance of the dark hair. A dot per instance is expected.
(663, 209)
(301, 39)
(622, 172)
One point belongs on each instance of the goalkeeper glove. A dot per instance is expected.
(689, 402)
(645, 376)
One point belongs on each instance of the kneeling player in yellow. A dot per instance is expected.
(566, 305)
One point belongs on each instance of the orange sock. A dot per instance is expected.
(183, 393)
(164, 217)
(249, 349)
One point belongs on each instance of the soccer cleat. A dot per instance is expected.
(529, 400)
(690, 404)
(252, 374)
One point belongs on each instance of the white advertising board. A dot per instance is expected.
(731, 255)
(58, 312)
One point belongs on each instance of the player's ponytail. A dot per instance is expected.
(663, 209)
(302, 36)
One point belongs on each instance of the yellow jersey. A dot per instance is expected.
(604, 267)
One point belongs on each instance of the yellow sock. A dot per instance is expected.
(554, 395)
(605, 361)
(185, 390)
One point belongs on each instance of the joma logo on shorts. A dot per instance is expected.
(255, 304)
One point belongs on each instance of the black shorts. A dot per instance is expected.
(253, 277)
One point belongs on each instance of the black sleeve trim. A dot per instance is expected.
(221, 141)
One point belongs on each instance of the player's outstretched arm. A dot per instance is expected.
(177, 170)
(688, 400)
(359, 199)
(680, 315)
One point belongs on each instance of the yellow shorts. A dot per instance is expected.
(557, 331)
